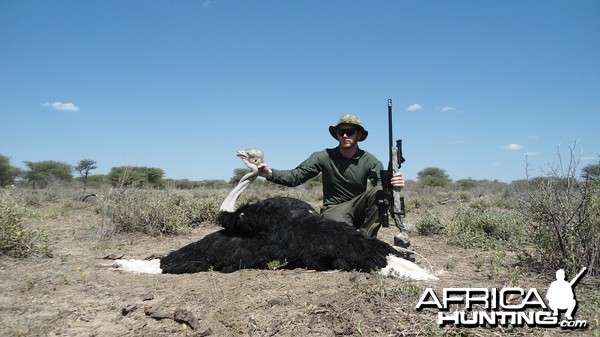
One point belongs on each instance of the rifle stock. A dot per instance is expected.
(397, 160)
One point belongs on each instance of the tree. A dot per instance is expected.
(42, 173)
(433, 177)
(591, 172)
(466, 184)
(155, 175)
(8, 173)
(135, 175)
(238, 174)
(84, 167)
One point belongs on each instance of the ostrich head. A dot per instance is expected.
(252, 158)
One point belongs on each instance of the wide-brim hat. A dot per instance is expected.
(349, 119)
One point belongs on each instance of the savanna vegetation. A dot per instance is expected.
(548, 222)
(557, 215)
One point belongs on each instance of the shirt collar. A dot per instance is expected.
(359, 152)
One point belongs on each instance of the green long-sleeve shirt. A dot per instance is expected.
(343, 179)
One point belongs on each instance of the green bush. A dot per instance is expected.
(8, 173)
(16, 240)
(156, 212)
(136, 176)
(417, 202)
(564, 218)
(44, 173)
(485, 227)
(428, 224)
(172, 212)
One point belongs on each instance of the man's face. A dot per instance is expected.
(347, 135)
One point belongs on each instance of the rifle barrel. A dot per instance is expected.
(390, 131)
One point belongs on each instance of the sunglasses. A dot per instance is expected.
(347, 132)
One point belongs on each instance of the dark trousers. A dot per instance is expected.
(360, 212)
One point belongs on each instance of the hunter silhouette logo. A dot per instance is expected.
(480, 307)
(560, 294)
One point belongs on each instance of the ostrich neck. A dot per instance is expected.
(228, 204)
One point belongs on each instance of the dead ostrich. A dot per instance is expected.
(280, 229)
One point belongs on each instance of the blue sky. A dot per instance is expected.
(477, 86)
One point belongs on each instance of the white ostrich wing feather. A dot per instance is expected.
(401, 268)
(139, 266)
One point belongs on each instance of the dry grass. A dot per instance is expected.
(76, 294)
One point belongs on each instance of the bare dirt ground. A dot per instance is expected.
(76, 293)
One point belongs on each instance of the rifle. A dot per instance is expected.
(576, 278)
(390, 201)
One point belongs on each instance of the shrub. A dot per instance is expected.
(564, 218)
(429, 225)
(155, 212)
(15, 239)
(417, 202)
(170, 211)
(136, 176)
(484, 227)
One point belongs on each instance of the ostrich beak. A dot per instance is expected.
(242, 154)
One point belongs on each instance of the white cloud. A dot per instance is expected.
(513, 147)
(448, 108)
(414, 107)
(60, 106)
(206, 4)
